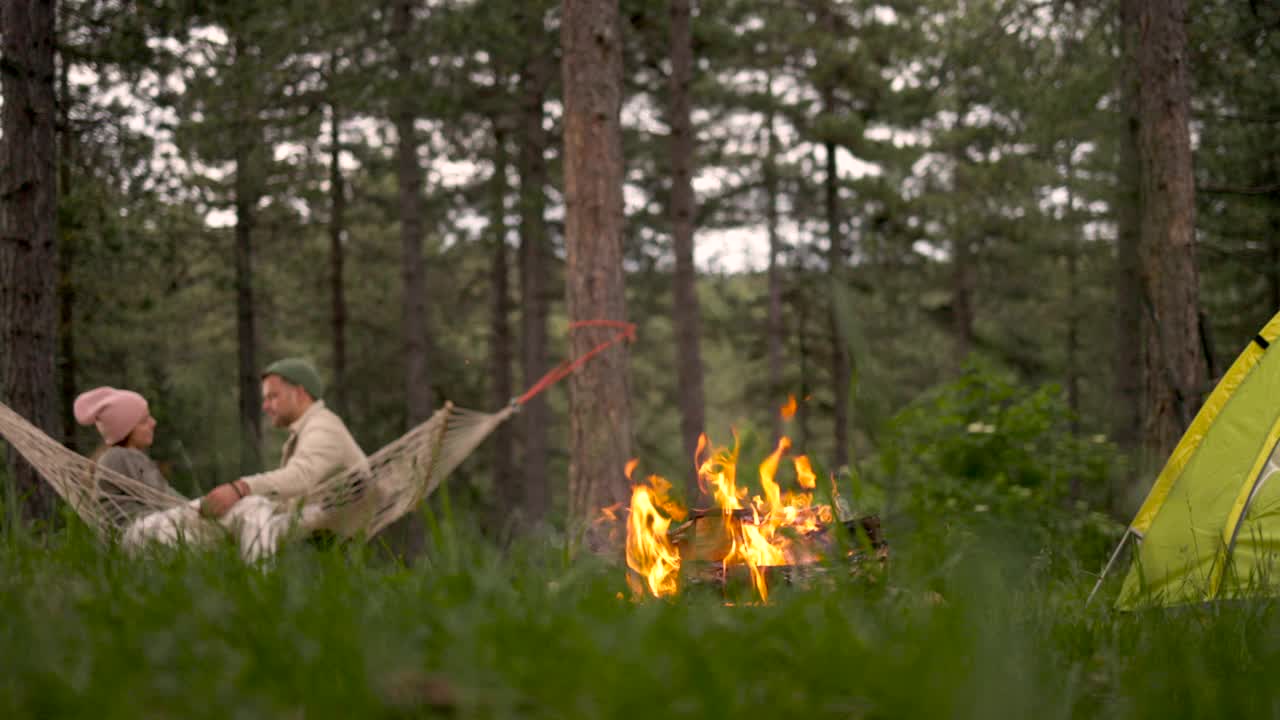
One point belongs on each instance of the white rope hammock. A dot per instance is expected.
(358, 502)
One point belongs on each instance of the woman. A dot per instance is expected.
(141, 512)
(124, 421)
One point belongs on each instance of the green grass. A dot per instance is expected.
(962, 626)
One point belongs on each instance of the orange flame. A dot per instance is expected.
(718, 475)
(662, 498)
(804, 472)
(702, 445)
(649, 551)
(769, 469)
(753, 531)
(788, 410)
(759, 544)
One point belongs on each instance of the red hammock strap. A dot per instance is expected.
(626, 331)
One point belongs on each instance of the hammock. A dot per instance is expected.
(360, 501)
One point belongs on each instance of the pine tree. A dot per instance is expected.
(1176, 373)
(599, 394)
(686, 315)
(28, 232)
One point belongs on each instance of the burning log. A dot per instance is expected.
(870, 527)
(766, 534)
(703, 537)
(701, 542)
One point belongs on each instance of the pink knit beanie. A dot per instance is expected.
(114, 412)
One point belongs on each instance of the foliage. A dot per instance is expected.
(985, 448)
(976, 628)
(992, 124)
(1235, 53)
(987, 127)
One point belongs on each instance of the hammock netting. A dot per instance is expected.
(356, 503)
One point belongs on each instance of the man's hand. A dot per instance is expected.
(220, 499)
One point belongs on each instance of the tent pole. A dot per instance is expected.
(1107, 569)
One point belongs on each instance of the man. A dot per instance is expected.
(319, 445)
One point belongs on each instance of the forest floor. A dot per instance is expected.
(974, 629)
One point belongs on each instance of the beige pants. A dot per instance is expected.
(259, 526)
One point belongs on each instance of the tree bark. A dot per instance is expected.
(405, 538)
(599, 393)
(337, 261)
(1072, 252)
(841, 368)
(961, 281)
(409, 174)
(961, 295)
(535, 417)
(687, 315)
(774, 328)
(66, 256)
(804, 343)
(505, 480)
(1175, 359)
(1127, 358)
(28, 232)
(247, 193)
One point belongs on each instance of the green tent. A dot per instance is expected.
(1210, 527)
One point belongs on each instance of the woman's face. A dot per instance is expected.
(143, 434)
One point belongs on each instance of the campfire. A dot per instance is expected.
(774, 530)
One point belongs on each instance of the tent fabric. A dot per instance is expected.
(1211, 517)
(1253, 557)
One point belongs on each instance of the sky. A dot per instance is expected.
(721, 250)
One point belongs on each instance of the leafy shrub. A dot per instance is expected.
(987, 449)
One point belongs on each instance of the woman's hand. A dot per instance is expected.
(220, 499)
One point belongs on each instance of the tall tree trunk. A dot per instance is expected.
(687, 316)
(841, 368)
(337, 285)
(961, 277)
(961, 268)
(510, 495)
(774, 328)
(405, 538)
(246, 333)
(66, 257)
(1127, 358)
(1072, 252)
(599, 394)
(961, 294)
(247, 192)
(803, 347)
(409, 174)
(28, 233)
(1175, 357)
(535, 417)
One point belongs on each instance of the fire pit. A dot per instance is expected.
(773, 535)
(703, 545)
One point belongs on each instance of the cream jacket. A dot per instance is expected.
(319, 447)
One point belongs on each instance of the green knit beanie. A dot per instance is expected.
(298, 372)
